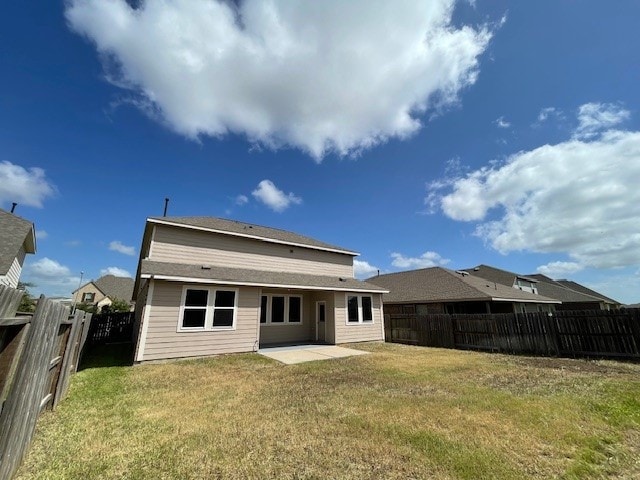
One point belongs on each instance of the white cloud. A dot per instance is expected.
(274, 198)
(579, 197)
(41, 234)
(73, 243)
(320, 76)
(560, 269)
(363, 269)
(117, 246)
(25, 187)
(241, 200)
(502, 123)
(427, 259)
(596, 117)
(115, 271)
(547, 113)
(50, 277)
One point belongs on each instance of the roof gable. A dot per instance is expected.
(116, 287)
(14, 233)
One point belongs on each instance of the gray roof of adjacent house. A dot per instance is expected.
(239, 276)
(14, 233)
(114, 287)
(438, 284)
(551, 288)
(582, 289)
(497, 275)
(243, 229)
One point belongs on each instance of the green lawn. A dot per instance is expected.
(401, 412)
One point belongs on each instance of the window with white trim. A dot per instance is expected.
(359, 309)
(276, 309)
(208, 309)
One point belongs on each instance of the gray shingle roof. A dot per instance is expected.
(437, 284)
(233, 227)
(497, 275)
(582, 289)
(115, 287)
(551, 288)
(254, 277)
(14, 231)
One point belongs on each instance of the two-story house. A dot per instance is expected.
(208, 286)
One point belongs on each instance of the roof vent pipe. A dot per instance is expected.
(13, 206)
(166, 204)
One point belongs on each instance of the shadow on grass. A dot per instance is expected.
(109, 355)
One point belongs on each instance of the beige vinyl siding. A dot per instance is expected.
(357, 332)
(89, 288)
(180, 245)
(273, 334)
(164, 341)
(284, 333)
(141, 304)
(330, 331)
(12, 276)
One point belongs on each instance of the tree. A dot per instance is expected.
(87, 307)
(28, 303)
(117, 305)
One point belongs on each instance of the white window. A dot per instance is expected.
(359, 309)
(88, 296)
(278, 309)
(208, 309)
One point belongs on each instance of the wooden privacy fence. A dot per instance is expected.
(38, 354)
(598, 333)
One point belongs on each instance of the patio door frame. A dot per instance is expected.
(318, 322)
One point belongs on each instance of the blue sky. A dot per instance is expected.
(426, 133)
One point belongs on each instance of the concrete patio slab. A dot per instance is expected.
(307, 353)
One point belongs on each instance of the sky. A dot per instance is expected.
(416, 133)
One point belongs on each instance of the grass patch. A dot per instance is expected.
(402, 412)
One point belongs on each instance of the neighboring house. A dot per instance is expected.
(208, 286)
(440, 290)
(573, 299)
(17, 238)
(103, 291)
(609, 303)
(542, 285)
(521, 282)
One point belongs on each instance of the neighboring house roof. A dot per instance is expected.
(236, 276)
(632, 305)
(582, 289)
(14, 233)
(242, 229)
(497, 275)
(113, 287)
(437, 284)
(551, 288)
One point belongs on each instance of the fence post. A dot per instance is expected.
(634, 321)
(67, 360)
(22, 407)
